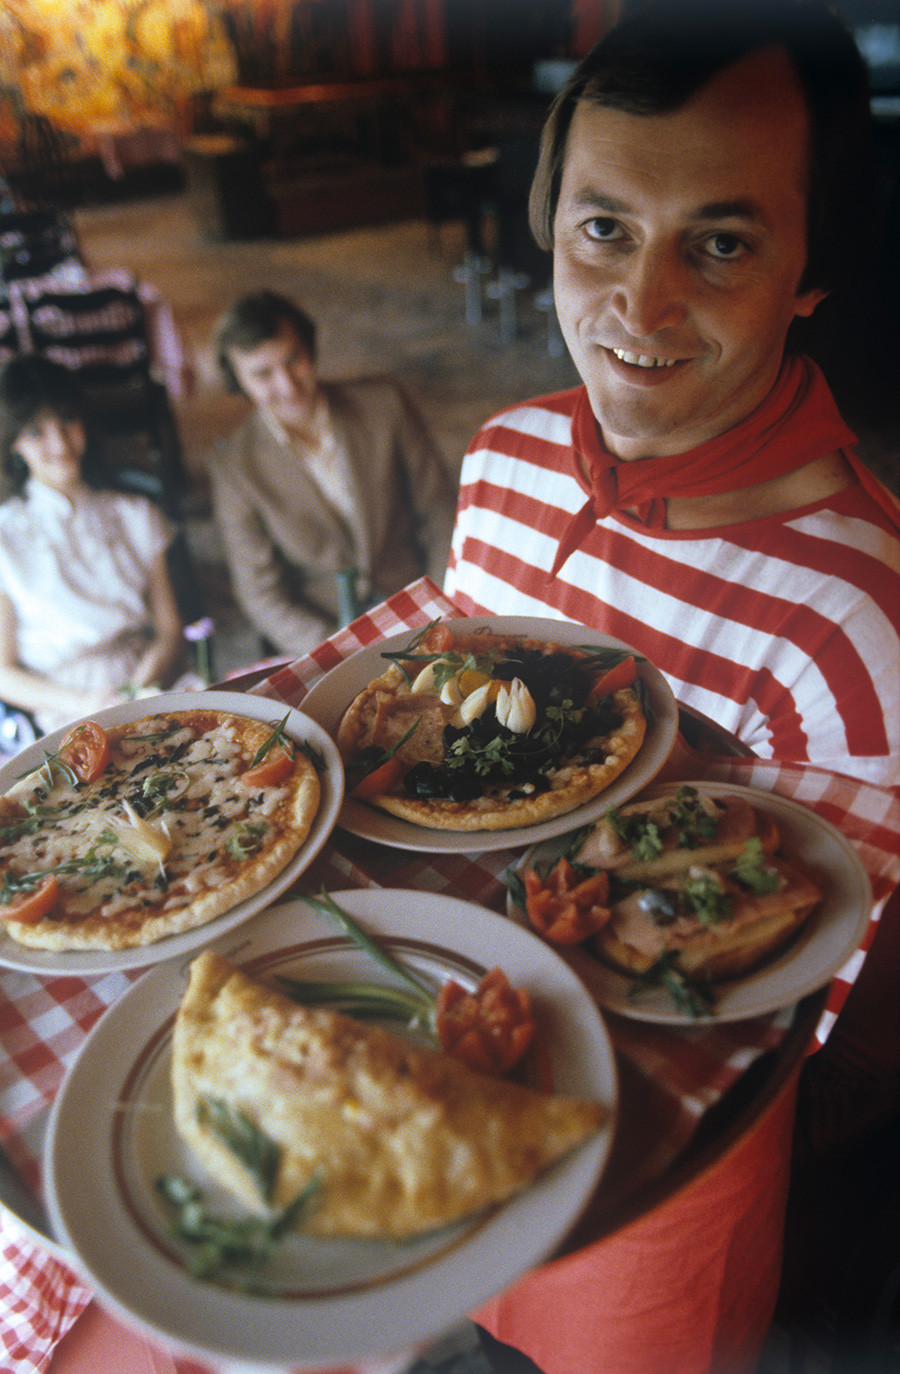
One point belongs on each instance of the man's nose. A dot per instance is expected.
(652, 291)
(284, 381)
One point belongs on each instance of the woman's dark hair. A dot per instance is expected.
(256, 319)
(663, 51)
(30, 384)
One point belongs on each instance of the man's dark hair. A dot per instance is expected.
(29, 385)
(663, 51)
(255, 319)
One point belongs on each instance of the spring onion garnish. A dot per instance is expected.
(223, 1241)
(277, 736)
(51, 762)
(416, 1007)
(244, 1139)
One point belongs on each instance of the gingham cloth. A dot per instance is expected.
(682, 1072)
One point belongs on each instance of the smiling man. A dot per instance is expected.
(699, 496)
(701, 185)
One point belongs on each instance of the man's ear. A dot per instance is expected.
(805, 302)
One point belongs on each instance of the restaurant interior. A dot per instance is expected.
(371, 159)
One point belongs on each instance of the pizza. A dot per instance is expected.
(396, 1138)
(483, 731)
(689, 882)
(128, 835)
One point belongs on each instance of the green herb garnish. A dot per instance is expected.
(706, 898)
(637, 831)
(277, 736)
(691, 996)
(752, 871)
(692, 819)
(361, 937)
(52, 762)
(244, 1139)
(246, 840)
(221, 1241)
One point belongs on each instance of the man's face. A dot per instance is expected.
(679, 243)
(279, 376)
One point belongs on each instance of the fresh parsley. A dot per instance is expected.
(691, 996)
(752, 871)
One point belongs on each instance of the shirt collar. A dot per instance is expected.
(48, 500)
(317, 437)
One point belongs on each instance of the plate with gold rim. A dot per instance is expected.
(319, 1301)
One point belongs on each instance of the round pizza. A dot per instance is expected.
(128, 835)
(483, 731)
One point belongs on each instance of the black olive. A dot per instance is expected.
(659, 903)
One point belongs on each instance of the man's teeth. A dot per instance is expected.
(643, 359)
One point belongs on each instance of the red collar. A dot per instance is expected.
(796, 423)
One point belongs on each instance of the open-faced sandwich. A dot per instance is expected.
(128, 835)
(689, 881)
(386, 1137)
(482, 731)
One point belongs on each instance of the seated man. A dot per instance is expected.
(331, 495)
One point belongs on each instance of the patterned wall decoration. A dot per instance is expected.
(96, 64)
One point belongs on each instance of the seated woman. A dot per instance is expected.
(88, 614)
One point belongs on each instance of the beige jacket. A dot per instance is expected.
(286, 545)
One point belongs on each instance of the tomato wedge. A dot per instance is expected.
(622, 675)
(381, 779)
(566, 909)
(273, 768)
(32, 906)
(489, 1029)
(85, 750)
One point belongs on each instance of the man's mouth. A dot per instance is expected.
(642, 359)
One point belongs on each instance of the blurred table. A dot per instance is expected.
(678, 1251)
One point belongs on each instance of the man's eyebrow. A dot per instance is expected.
(730, 209)
(739, 208)
(596, 200)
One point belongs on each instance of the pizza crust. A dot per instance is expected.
(381, 713)
(402, 1139)
(201, 887)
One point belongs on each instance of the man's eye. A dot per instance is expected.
(603, 228)
(725, 246)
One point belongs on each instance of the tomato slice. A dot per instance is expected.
(85, 750)
(381, 779)
(622, 675)
(272, 768)
(440, 639)
(32, 906)
(566, 909)
(489, 1029)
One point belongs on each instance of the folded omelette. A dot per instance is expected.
(401, 1139)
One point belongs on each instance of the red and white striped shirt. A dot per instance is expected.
(784, 629)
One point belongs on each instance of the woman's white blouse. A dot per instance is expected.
(77, 573)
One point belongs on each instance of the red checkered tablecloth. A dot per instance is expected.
(678, 1073)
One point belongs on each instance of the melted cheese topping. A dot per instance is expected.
(79, 829)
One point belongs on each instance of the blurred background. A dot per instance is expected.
(370, 158)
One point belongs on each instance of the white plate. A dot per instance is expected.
(828, 939)
(110, 1136)
(298, 726)
(332, 694)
